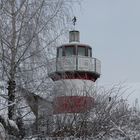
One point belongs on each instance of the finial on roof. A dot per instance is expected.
(74, 20)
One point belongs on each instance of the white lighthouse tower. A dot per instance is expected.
(74, 71)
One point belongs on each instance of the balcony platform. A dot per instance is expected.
(70, 67)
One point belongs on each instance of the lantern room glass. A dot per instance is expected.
(81, 51)
(69, 50)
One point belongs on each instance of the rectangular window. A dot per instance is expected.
(69, 50)
(81, 51)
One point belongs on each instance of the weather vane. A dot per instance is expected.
(74, 20)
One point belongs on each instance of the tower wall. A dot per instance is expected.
(73, 96)
(73, 87)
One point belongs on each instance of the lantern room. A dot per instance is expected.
(74, 61)
(74, 49)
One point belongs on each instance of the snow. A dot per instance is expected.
(74, 43)
(2, 132)
(74, 138)
(72, 87)
(9, 122)
(5, 118)
(13, 124)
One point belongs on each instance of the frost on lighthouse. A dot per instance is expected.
(74, 71)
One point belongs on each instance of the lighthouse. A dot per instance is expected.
(74, 71)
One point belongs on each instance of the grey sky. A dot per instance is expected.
(112, 28)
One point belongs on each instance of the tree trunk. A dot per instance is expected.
(11, 99)
(11, 82)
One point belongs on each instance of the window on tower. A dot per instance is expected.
(81, 51)
(69, 50)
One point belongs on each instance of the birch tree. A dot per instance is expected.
(29, 30)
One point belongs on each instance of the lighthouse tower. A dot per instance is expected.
(74, 71)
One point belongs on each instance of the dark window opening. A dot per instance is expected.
(69, 50)
(81, 51)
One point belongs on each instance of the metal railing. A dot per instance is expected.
(74, 63)
(58, 138)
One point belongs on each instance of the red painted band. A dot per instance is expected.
(72, 104)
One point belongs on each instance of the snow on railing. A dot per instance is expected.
(74, 63)
(58, 138)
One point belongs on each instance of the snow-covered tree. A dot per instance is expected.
(111, 118)
(29, 30)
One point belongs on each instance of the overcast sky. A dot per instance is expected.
(112, 28)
